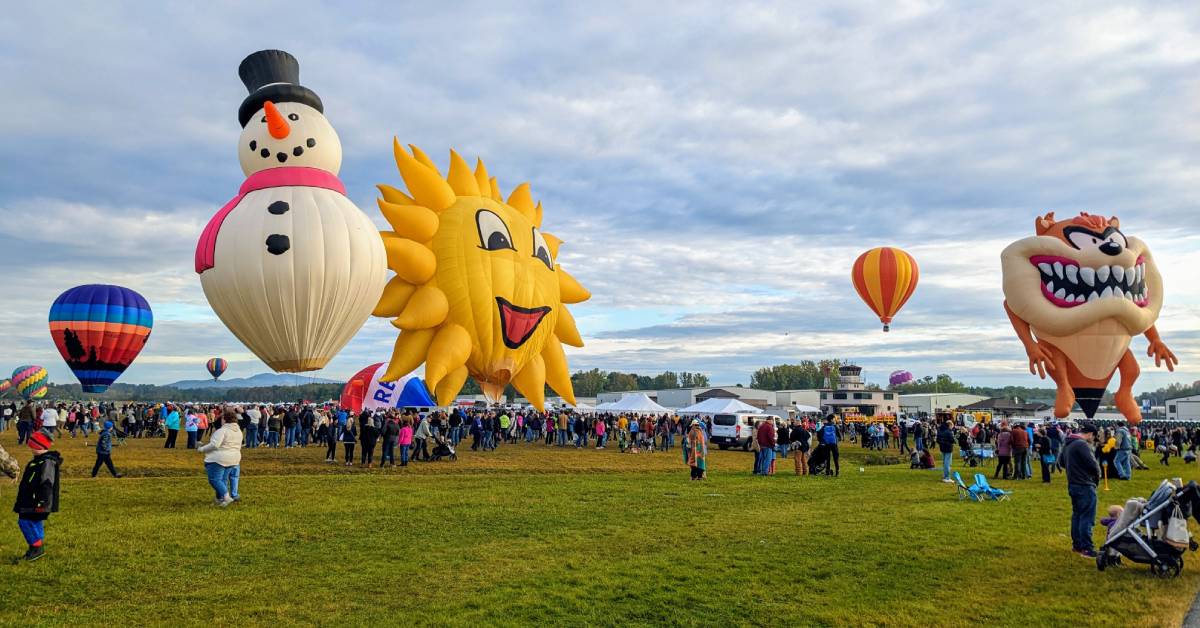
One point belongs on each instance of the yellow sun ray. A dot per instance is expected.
(531, 381)
(558, 376)
(427, 308)
(569, 288)
(396, 294)
(410, 260)
(410, 221)
(450, 350)
(425, 185)
(566, 329)
(461, 179)
(411, 348)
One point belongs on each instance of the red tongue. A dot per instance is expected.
(519, 325)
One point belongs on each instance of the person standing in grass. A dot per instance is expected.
(348, 436)
(37, 494)
(104, 450)
(1003, 453)
(945, 442)
(171, 421)
(191, 425)
(766, 443)
(696, 448)
(1045, 453)
(800, 444)
(369, 436)
(404, 438)
(1083, 474)
(223, 459)
(422, 433)
(391, 431)
(1020, 451)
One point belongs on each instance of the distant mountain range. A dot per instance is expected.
(261, 380)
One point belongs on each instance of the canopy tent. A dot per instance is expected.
(584, 408)
(635, 402)
(720, 406)
(804, 408)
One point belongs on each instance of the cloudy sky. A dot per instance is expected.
(713, 167)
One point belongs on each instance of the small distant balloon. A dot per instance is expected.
(898, 378)
(30, 381)
(216, 367)
(5, 387)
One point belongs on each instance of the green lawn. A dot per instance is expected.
(534, 535)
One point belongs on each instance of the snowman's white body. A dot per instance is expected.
(295, 308)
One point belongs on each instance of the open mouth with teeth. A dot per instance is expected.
(518, 323)
(1066, 283)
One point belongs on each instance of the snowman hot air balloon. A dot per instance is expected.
(290, 265)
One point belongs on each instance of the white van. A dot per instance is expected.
(736, 430)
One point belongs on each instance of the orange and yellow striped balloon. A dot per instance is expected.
(885, 277)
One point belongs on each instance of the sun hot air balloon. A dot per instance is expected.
(477, 289)
(5, 387)
(99, 329)
(216, 367)
(30, 381)
(885, 278)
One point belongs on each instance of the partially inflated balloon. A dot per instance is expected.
(216, 367)
(30, 381)
(99, 329)
(5, 387)
(477, 290)
(885, 278)
(366, 390)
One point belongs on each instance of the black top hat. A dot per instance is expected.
(273, 75)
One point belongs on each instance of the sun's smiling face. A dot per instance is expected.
(498, 275)
(477, 289)
(298, 136)
(1079, 271)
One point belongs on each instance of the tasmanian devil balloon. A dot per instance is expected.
(99, 330)
(290, 265)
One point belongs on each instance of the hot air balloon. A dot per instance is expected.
(99, 329)
(365, 390)
(898, 378)
(477, 289)
(216, 367)
(885, 278)
(5, 387)
(30, 381)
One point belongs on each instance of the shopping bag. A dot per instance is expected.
(1177, 530)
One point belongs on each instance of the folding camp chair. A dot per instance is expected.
(995, 494)
(974, 493)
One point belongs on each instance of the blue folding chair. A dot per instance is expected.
(995, 494)
(973, 493)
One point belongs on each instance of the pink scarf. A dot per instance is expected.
(206, 248)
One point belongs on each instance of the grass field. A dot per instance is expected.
(533, 535)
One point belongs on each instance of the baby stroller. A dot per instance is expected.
(1139, 532)
(442, 449)
(818, 462)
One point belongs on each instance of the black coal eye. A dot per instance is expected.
(493, 233)
(264, 119)
(293, 117)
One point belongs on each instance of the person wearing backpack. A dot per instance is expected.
(829, 438)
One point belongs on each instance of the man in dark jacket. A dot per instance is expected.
(1083, 474)
(104, 451)
(37, 495)
(1020, 451)
(945, 441)
(766, 443)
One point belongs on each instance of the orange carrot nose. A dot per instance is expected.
(276, 124)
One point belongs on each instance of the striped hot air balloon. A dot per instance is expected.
(216, 367)
(99, 329)
(5, 387)
(885, 277)
(30, 381)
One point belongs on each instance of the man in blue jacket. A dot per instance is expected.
(104, 451)
(1083, 474)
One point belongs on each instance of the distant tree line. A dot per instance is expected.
(593, 382)
(806, 375)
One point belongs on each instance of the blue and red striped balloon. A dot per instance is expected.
(216, 367)
(99, 329)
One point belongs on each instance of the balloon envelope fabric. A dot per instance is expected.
(30, 381)
(5, 386)
(364, 390)
(99, 329)
(216, 367)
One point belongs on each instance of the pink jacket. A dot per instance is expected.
(405, 437)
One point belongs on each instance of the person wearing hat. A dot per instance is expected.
(37, 495)
(104, 451)
(1083, 474)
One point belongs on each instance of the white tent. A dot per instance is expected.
(584, 408)
(803, 408)
(720, 406)
(636, 402)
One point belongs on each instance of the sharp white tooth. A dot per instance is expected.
(1102, 274)
(1058, 270)
(1070, 298)
(1107, 292)
(1050, 287)
(1062, 294)
(1118, 273)
(1073, 274)
(1120, 294)
(1130, 276)
(1141, 272)
(1129, 296)
(1088, 275)
(1045, 268)
(1092, 297)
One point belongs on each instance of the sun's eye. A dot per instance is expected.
(293, 117)
(540, 250)
(493, 233)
